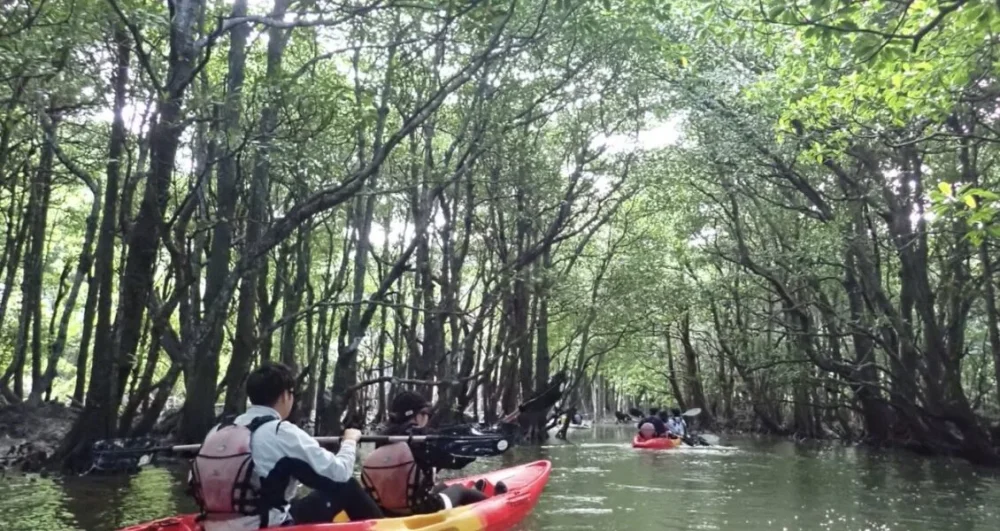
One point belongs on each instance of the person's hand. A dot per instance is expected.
(352, 434)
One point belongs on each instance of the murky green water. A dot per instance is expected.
(600, 483)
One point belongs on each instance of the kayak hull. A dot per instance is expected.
(657, 443)
(525, 484)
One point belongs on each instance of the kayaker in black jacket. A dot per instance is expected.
(659, 428)
(401, 476)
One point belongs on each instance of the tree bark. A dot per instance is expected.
(244, 347)
(83, 266)
(97, 421)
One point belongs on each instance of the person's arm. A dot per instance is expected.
(299, 445)
(430, 455)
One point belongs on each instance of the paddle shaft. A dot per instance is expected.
(182, 448)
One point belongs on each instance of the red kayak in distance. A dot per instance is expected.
(525, 484)
(655, 443)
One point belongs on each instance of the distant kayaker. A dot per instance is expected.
(401, 476)
(656, 426)
(677, 426)
(665, 417)
(249, 467)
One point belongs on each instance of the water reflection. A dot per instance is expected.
(600, 483)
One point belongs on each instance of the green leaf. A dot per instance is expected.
(984, 194)
(865, 45)
(849, 25)
(945, 188)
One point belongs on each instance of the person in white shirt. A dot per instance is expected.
(677, 426)
(249, 469)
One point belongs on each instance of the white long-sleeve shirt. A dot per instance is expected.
(282, 450)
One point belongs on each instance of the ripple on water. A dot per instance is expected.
(582, 510)
(586, 470)
(30, 503)
(577, 499)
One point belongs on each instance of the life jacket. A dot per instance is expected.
(391, 476)
(222, 476)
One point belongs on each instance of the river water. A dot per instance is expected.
(600, 483)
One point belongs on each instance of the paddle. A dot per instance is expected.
(698, 439)
(710, 438)
(132, 454)
(540, 402)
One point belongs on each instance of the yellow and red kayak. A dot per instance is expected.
(524, 486)
(655, 443)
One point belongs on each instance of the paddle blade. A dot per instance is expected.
(710, 438)
(693, 412)
(475, 446)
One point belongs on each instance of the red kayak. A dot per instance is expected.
(655, 443)
(524, 486)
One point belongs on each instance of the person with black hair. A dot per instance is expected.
(248, 469)
(652, 426)
(401, 476)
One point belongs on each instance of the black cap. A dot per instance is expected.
(406, 405)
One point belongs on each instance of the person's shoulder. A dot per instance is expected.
(288, 436)
(287, 428)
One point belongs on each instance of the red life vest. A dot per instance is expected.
(222, 473)
(391, 477)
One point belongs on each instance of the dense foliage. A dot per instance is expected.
(780, 212)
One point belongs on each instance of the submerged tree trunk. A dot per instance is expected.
(97, 421)
(198, 414)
